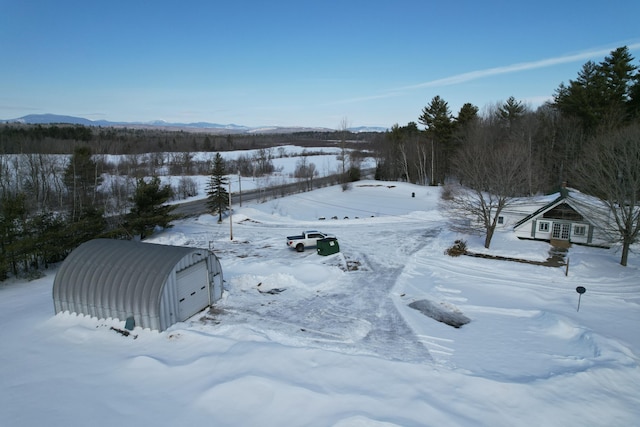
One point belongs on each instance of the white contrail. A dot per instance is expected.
(479, 74)
(523, 66)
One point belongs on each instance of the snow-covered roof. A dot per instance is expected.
(585, 205)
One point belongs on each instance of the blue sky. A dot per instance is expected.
(295, 63)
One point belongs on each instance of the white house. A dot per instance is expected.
(571, 217)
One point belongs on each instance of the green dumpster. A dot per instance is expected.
(328, 246)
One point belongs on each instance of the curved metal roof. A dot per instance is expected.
(116, 278)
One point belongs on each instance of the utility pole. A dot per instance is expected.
(240, 188)
(230, 214)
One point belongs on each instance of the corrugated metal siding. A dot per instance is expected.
(115, 278)
(168, 304)
(215, 277)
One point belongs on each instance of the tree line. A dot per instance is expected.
(17, 138)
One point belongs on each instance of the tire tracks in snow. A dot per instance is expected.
(390, 336)
(358, 317)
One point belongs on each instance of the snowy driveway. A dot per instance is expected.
(340, 302)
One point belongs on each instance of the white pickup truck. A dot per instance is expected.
(307, 238)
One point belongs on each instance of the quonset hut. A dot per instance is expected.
(157, 285)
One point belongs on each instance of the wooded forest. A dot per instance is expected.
(53, 195)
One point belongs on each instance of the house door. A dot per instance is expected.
(560, 231)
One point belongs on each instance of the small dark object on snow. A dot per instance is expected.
(441, 313)
(274, 291)
(124, 332)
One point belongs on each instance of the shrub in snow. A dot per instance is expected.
(459, 248)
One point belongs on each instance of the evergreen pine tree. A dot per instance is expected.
(13, 213)
(603, 94)
(437, 119)
(217, 195)
(511, 111)
(149, 210)
(439, 126)
(82, 180)
(468, 114)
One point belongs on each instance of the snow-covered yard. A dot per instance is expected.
(336, 343)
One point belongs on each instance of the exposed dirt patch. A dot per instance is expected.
(353, 265)
(212, 315)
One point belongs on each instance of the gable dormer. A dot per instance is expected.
(564, 212)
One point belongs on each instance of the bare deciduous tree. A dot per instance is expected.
(422, 161)
(306, 171)
(404, 161)
(610, 170)
(42, 180)
(187, 187)
(491, 174)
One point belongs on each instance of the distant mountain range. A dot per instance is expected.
(198, 126)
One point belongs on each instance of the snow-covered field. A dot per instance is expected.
(339, 344)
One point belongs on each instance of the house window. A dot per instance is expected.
(543, 226)
(579, 230)
(500, 220)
